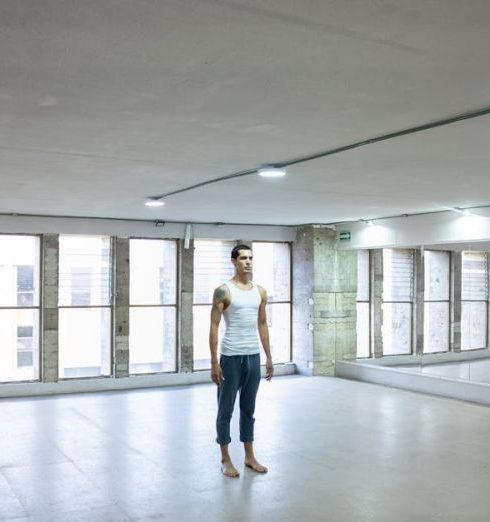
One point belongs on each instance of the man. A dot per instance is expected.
(243, 305)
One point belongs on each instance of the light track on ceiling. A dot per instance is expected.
(337, 150)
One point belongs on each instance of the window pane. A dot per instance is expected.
(153, 269)
(397, 275)
(436, 327)
(363, 275)
(19, 345)
(272, 269)
(279, 321)
(362, 330)
(152, 341)
(212, 267)
(84, 342)
(397, 328)
(473, 325)
(84, 271)
(201, 320)
(19, 271)
(436, 275)
(474, 276)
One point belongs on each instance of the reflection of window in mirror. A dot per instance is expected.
(398, 295)
(363, 304)
(436, 301)
(474, 300)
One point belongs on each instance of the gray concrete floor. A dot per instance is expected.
(337, 450)
(476, 371)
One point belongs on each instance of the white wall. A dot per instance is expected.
(147, 229)
(422, 230)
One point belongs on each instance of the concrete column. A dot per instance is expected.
(419, 290)
(456, 273)
(121, 307)
(377, 301)
(334, 296)
(302, 300)
(324, 297)
(186, 358)
(49, 307)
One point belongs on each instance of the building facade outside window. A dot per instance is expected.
(85, 305)
(153, 306)
(19, 308)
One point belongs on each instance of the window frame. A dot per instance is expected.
(110, 307)
(290, 302)
(176, 305)
(39, 306)
(194, 304)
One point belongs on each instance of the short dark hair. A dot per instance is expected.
(236, 250)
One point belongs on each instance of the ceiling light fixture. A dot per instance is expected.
(154, 202)
(270, 171)
(368, 222)
(463, 211)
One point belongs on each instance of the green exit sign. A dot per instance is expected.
(344, 236)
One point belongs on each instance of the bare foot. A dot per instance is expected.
(228, 469)
(253, 464)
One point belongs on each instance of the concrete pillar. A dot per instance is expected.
(324, 297)
(334, 296)
(377, 301)
(49, 307)
(186, 358)
(302, 300)
(456, 280)
(121, 307)
(419, 290)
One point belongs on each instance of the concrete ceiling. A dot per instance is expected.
(106, 102)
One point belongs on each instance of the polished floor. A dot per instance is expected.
(337, 450)
(475, 371)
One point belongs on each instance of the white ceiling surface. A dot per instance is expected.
(105, 102)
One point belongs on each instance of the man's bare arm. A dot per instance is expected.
(220, 302)
(264, 334)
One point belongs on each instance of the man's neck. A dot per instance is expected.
(243, 279)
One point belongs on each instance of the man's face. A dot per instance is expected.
(243, 263)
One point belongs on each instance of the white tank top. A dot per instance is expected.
(241, 316)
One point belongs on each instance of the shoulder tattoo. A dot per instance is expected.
(219, 294)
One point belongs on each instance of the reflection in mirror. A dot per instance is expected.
(432, 308)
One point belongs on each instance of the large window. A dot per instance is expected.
(474, 300)
(363, 304)
(398, 291)
(436, 301)
(212, 268)
(19, 308)
(153, 305)
(272, 270)
(84, 306)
